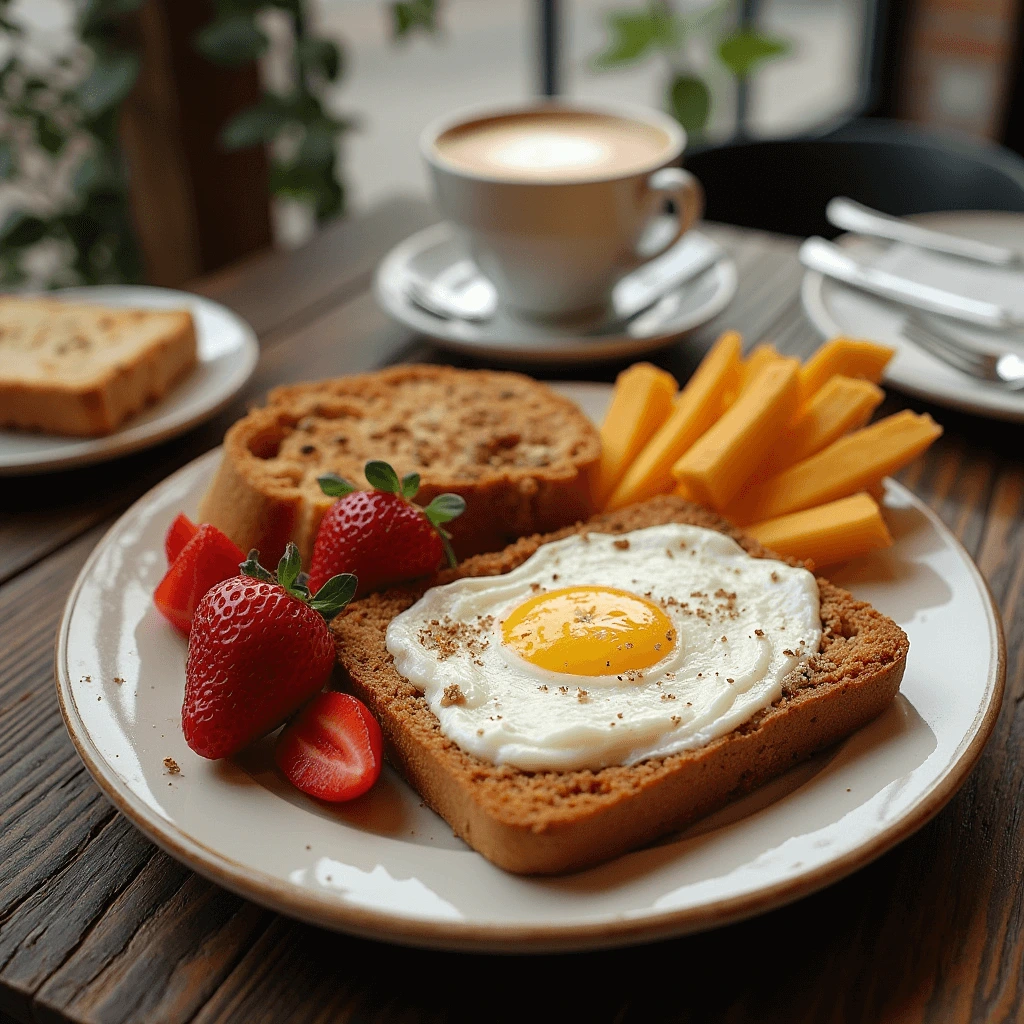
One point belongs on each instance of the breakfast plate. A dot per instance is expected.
(227, 352)
(835, 308)
(428, 253)
(385, 867)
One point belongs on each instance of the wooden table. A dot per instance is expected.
(98, 925)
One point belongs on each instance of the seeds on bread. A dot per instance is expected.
(551, 822)
(516, 451)
(83, 369)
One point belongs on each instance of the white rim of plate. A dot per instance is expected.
(579, 349)
(133, 438)
(577, 936)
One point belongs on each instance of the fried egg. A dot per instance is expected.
(602, 650)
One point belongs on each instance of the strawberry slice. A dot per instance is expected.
(204, 561)
(333, 749)
(180, 532)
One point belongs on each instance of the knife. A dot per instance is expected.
(829, 259)
(845, 213)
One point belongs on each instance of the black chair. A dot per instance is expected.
(783, 184)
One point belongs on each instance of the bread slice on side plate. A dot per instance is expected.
(518, 452)
(83, 369)
(546, 822)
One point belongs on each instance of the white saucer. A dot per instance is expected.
(835, 308)
(386, 867)
(227, 350)
(507, 337)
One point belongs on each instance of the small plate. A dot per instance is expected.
(835, 308)
(227, 350)
(387, 868)
(506, 337)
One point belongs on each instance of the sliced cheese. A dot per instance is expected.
(717, 466)
(640, 405)
(854, 463)
(842, 405)
(698, 406)
(846, 356)
(827, 534)
(758, 359)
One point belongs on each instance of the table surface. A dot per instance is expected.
(98, 925)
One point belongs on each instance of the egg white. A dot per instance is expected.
(500, 707)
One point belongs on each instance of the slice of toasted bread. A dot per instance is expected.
(82, 369)
(550, 822)
(518, 452)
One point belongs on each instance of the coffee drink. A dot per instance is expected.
(556, 202)
(553, 146)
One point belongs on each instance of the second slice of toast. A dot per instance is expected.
(551, 822)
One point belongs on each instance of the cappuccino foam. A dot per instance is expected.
(553, 146)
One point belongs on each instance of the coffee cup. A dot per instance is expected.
(559, 201)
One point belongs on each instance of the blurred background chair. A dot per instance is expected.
(783, 184)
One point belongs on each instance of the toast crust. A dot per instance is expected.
(552, 822)
(92, 376)
(519, 454)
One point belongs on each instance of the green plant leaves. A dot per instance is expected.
(745, 49)
(381, 476)
(255, 125)
(335, 486)
(110, 80)
(21, 229)
(334, 595)
(633, 34)
(232, 40)
(251, 567)
(289, 567)
(445, 507)
(412, 16)
(410, 485)
(689, 100)
(321, 57)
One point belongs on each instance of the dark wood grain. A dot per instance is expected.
(97, 925)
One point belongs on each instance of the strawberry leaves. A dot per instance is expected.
(335, 486)
(381, 476)
(334, 595)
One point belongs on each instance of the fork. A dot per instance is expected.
(1003, 368)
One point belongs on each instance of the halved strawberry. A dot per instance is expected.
(333, 750)
(205, 560)
(179, 533)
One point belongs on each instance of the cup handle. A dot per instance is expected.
(688, 194)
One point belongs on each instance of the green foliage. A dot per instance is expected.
(232, 40)
(656, 29)
(92, 225)
(743, 51)
(689, 101)
(413, 16)
(302, 136)
(633, 35)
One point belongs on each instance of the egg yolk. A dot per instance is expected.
(589, 631)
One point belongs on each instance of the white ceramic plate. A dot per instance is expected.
(835, 308)
(386, 867)
(427, 253)
(228, 352)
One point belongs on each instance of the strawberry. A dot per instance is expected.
(180, 532)
(380, 535)
(333, 748)
(259, 648)
(206, 559)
